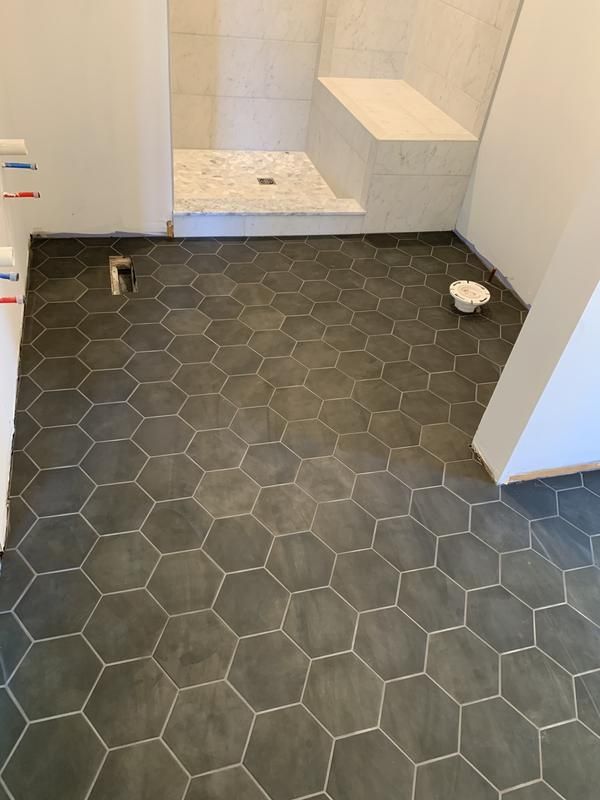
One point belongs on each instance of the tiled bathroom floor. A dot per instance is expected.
(219, 181)
(251, 555)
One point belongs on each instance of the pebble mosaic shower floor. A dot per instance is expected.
(251, 555)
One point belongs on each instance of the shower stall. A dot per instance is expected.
(329, 116)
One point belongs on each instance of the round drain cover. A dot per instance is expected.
(469, 295)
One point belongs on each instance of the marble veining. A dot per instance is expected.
(392, 109)
(226, 181)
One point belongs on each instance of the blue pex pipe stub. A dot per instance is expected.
(18, 165)
(9, 276)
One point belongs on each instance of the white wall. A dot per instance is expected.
(544, 412)
(243, 71)
(88, 85)
(13, 233)
(540, 142)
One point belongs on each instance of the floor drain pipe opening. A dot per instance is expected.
(122, 275)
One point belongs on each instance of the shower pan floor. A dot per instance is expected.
(227, 182)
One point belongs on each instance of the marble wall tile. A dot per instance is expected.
(287, 20)
(414, 202)
(370, 38)
(237, 67)
(341, 166)
(425, 158)
(239, 123)
(267, 224)
(242, 72)
(456, 50)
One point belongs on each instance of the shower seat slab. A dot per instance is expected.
(386, 145)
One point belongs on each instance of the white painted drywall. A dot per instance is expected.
(540, 143)
(88, 86)
(14, 232)
(544, 412)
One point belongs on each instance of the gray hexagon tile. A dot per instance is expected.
(251, 553)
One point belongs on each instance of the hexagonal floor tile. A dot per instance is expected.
(208, 727)
(365, 580)
(320, 622)
(170, 477)
(251, 602)
(453, 779)
(51, 750)
(117, 508)
(147, 769)
(208, 411)
(227, 492)
(415, 467)
(405, 543)
(285, 509)
(568, 638)
(163, 435)
(440, 510)
(571, 758)
(491, 727)
(177, 525)
(532, 499)
(362, 452)
(310, 438)
(432, 599)
(269, 671)
(195, 648)
(59, 447)
(561, 543)
(343, 693)
(16, 576)
(55, 677)
(500, 619)
(500, 527)
(121, 562)
(58, 491)
(343, 525)
(113, 462)
(238, 543)
(113, 708)
(381, 495)
(537, 687)
(532, 579)
(125, 625)
(270, 464)
(468, 561)
(56, 543)
(300, 561)
(345, 416)
(288, 753)
(258, 425)
(326, 479)
(185, 582)
(463, 665)
(390, 643)
(420, 718)
(56, 604)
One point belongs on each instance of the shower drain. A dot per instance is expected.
(266, 181)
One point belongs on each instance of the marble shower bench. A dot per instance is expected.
(406, 162)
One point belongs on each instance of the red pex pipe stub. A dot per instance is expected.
(17, 299)
(14, 195)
